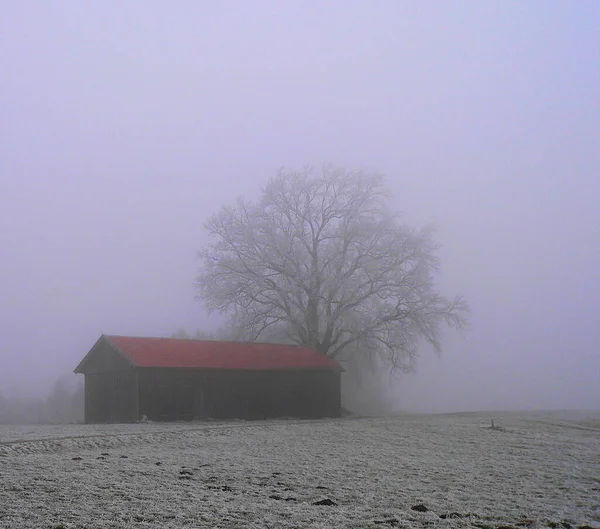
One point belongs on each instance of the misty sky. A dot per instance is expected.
(123, 125)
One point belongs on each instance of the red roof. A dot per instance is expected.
(171, 352)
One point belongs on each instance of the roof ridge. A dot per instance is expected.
(204, 340)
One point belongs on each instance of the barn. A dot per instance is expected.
(166, 379)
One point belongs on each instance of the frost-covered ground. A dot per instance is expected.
(539, 470)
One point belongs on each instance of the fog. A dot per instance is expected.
(124, 125)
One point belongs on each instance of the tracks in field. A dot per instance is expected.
(155, 435)
(563, 425)
(160, 433)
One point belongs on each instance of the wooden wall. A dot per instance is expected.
(186, 394)
(111, 397)
(110, 387)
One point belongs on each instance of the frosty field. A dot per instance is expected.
(539, 470)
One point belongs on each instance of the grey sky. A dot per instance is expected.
(124, 124)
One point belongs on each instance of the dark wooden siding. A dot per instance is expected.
(111, 397)
(188, 394)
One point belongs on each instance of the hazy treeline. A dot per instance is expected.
(62, 405)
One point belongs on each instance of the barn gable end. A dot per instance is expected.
(104, 357)
(111, 390)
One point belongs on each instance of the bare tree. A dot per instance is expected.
(323, 259)
(221, 333)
